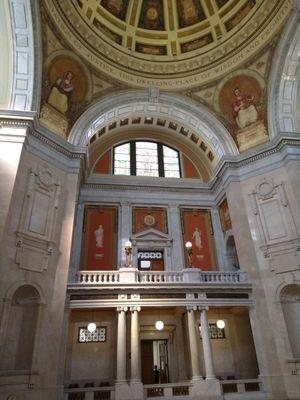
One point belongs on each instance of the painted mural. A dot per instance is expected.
(116, 7)
(152, 15)
(243, 103)
(64, 93)
(189, 12)
(144, 218)
(225, 216)
(197, 229)
(99, 250)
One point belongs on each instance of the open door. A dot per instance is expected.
(154, 352)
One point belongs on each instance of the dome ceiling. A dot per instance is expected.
(173, 44)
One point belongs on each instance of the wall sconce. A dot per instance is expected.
(128, 254)
(189, 249)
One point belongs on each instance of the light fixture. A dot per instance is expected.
(91, 327)
(188, 245)
(220, 324)
(189, 249)
(128, 252)
(159, 325)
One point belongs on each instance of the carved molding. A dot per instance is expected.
(279, 239)
(36, 232)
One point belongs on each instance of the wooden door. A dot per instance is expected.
(147, 361)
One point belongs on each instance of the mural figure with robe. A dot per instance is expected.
(99, 234)
(61, 92)
(244, 109)
(197, 238)
(242, 100)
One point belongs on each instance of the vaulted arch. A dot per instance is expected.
(174, 109)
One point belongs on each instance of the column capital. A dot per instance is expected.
(135, 308)
(203, 308)
(122, 308)
(125, 203)
(192, 308)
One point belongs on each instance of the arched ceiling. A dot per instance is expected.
(173, 44)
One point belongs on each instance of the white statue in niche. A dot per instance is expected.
(99, 234)
(197, 238)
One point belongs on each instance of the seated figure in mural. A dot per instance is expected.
(244, 109)
(61, 92)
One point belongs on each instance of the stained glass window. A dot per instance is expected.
(171, 163)
(145, 158)
(122, 159)
(85, 336)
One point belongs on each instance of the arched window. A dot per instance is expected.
(290, 301)
(145, 158)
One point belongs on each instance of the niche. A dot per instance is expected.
(21, 329)
(231, 254)
(290, 302)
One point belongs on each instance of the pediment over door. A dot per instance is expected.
(151, 234)
(151, 239)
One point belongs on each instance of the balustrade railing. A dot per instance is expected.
(167, 390)
(241, 385)
(91, 393)
(98, 277)
(160, 277)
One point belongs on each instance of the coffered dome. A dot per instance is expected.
(173, 44)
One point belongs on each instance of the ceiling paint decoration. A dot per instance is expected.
(171, 44)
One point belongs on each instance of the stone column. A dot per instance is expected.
(195, 364)
(178, 261)
(219, 239)
(121, 345)
(76, 249)
(207, 351)
(125, 230)
(135, 345)
(11, 145)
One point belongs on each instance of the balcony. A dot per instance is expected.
(239, 389)
(186, 277)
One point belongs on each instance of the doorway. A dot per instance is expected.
(154, 352)
(150, 260)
